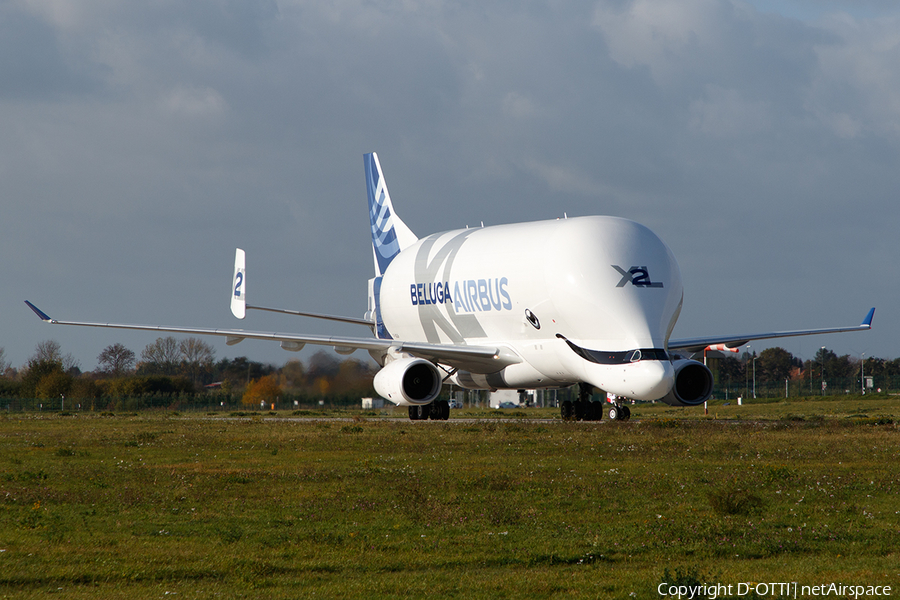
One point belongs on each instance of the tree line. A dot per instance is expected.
(774, 366)
(173, 372)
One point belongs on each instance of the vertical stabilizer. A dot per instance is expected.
(390, 235)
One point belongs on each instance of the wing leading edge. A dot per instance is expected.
(476, 359)
(733, 341)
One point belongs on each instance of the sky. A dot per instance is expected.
(141, 142)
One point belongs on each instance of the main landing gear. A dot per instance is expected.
(439, 410)
(585, 410)
(582, 409)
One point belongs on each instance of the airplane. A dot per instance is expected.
(588, 301)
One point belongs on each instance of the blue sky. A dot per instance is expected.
(140, 143)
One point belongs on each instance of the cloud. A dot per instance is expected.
(194, 102)
(856, 90)
(141, 142)
(660, 35)
(725, 114)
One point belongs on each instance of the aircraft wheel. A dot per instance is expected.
(443, 410)
(413, 413)
(582, 410)
(596, 412)
(627, 412)
(613, 412)
(567, 410)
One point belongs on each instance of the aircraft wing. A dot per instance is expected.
(733, 341)
(476, 359)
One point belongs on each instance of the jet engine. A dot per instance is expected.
(409, 381)
(693, 384)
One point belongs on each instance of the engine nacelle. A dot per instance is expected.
(693, 384)
(409, 381)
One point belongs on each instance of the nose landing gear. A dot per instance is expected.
(618, 412)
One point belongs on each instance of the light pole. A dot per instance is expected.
(746, 375)
(822, 359)
(754, 376)
(862, 374)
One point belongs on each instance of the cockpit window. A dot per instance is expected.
(654, 354)
(603, 357)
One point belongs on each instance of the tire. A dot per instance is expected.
(582, 410)
(567, 411)
(613, 413)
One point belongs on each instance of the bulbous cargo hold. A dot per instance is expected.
(604, 283)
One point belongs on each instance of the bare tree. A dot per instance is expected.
(47, 351)
(4, 364)
(117, 360)
(196, 356)
(51, 351)
(162, 356)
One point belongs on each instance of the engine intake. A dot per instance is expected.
(693, 384)
(409, 381)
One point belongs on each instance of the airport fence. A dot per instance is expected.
(805, 388)
(174, 402)
(223, 402)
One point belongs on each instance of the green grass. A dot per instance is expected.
(256, 507)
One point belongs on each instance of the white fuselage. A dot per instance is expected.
(603, 283)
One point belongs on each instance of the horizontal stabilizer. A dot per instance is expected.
(239, 306)
(298, 313)
(239, 285)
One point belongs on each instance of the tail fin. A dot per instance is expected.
(239, 286)
(390, 235)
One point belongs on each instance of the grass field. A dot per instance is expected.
(165, 505)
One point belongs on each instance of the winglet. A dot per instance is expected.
(867, 322)
(39, 312)
(239, 285)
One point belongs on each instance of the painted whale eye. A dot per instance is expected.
(532, 319)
